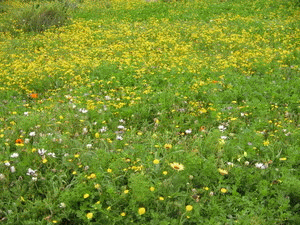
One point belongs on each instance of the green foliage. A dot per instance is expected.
(160, 112)
(41, 16)
(3, 8)
(139, 185)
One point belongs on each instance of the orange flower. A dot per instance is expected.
(19, 141)
(33, 95)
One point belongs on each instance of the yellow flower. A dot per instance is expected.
(224, 190)
(108, 208)
(156, 161)
(92, 176)
(86, 195)
(152, 188)
(126, 191)
(282, 159)
(161, 198)
(76, 155)
(97, 186)
(266, 143)
(141, 211)
(165, 172)
(139, 133)
(109, 170)
(189, 208)
(223, 172)
(89, 215)
(222, 142)
(97, 135)
(45, 160)
(123, 214)
(177, 166)
(167, 146)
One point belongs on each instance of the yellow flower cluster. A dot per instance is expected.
(65, 57)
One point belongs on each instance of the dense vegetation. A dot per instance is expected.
(136, 112)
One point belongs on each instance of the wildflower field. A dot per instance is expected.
(150, 112)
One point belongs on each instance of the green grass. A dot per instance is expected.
(128, 88)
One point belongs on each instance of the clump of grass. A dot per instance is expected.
(39, 17)
(3, 7)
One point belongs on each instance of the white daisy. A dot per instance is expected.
(32, 134)
(12, 169)
(189, 131)
(42, 151)
(14, 155)
(119, 137)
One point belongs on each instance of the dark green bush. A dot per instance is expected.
(2, 6)
(40, 17)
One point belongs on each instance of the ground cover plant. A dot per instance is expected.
(137, 112)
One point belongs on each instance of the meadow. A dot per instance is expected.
(136, 112)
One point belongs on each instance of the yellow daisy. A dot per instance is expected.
(189, 208)
(223, 172)
(141, 211)
(177, 166)
(89, 215)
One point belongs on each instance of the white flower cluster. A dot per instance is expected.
(14, 155)
(222, 128)
(120, 131)
(261, 166)
(83, 110)
(103, 129)
(32, 173)
(51, 154)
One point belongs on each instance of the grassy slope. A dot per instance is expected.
(167, 68)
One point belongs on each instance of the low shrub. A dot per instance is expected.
(2, 6)
(40, 17)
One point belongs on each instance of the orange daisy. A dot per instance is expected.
(19, 141)
(33, 95)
